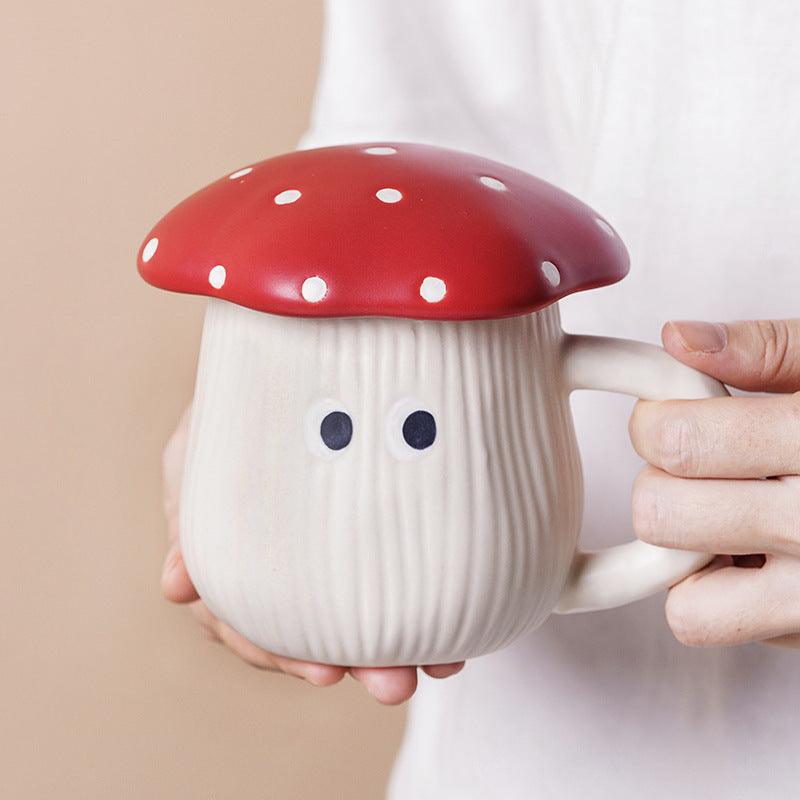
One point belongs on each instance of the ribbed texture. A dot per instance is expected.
(366, 558)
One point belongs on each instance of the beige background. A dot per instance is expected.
(110, 113)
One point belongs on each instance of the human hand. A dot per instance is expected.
(389, 685)
(701, 488)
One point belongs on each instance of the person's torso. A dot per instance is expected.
(678, 122)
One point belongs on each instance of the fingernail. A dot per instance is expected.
(701, 337)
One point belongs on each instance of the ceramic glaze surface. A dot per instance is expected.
(379, 553)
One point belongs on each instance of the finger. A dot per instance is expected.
(245, 649)
(388, 685)
(316, 674)
(176, 585)
(717, 516)
(206, 620)
(759, 356)
(443, 670)
(728, 605)
(722, 437)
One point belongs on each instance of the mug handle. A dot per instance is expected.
(628, 572)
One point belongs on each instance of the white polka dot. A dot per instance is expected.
(550, 271)
(380, 151)
(432, 289)
(217, 276)
(388, 195)
(288, 196)
(493, 183)
(604, 226)
(240, 173)
(314, 289)
(149, 250)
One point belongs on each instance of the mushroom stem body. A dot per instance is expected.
(387, 547)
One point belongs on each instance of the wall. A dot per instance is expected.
(112, 112)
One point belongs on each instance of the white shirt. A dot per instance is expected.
(679, 121)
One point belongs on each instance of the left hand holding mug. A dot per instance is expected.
(703, 488)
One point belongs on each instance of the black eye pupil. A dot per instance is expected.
(419, 430)
(336, 430)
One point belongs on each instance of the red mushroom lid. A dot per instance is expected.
(389, 229)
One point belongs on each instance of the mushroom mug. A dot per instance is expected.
(382, 467)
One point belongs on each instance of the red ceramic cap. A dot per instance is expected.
(383, 229)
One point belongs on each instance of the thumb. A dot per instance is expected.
(758, 356)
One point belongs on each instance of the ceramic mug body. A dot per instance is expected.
(380, 491)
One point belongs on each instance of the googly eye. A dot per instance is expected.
(328, 429)
(419, 429)
(336, 430)
(410, 429)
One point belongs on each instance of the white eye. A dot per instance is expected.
(411, 429)
(328, 429)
